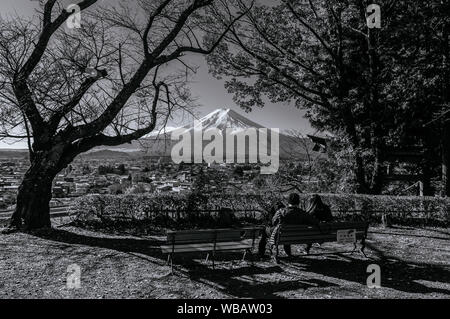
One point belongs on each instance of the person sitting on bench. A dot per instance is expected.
(267, 231)
(318, 209)
(291, 215)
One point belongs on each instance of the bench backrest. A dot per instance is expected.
(292, 234)
(211, 235)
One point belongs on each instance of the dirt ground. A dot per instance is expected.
(415, 263)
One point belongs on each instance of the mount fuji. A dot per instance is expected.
(220, 119)
(159, 143)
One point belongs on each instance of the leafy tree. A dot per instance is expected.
(86, 169)
(121, 170)
(322, 56)
(200, 182)
(420, 81)
(115, 189)
(106, 169)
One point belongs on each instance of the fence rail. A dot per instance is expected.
(56, 211)
(65, 210)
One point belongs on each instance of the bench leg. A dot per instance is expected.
(251, 257)
(355, 247)
(308, 248)
(207, 257)
(363, 246)
(170, 259)
(243, 256)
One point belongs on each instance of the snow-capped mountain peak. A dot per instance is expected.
(222, 119)
(159, 142)
(225, 119)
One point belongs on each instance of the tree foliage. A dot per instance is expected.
(375, 89)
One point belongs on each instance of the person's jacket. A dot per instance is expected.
(319, 210)
(293, 215)
(323, 214)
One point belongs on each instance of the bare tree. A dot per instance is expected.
(111, 81)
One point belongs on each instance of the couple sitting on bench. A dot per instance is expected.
(316, 212)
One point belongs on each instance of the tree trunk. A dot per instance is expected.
(33, 198)
(427, 175)
(361, 185)
(446, 159)
(376, 185)
(445, 139)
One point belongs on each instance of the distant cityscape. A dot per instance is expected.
(132, 175)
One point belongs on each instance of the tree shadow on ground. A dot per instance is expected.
(395, 273)
(243, 282)
(149, 247)
(411, 235)
(227, 277)
(442, 232)
(241, 279)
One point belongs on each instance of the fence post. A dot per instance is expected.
(365, 211)
(386, 220)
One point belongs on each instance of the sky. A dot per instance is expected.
(210, 92)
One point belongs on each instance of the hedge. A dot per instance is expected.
(424, 210)
(197, 210)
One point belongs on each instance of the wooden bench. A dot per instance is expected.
(326, 232)
(210, 241)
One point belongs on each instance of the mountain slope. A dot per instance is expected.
(159, 143)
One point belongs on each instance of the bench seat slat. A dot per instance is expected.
(196, 231)
(204, 239)
(310, 240)
(300, 237)
(313, 235)
(302, 234)
(301, 228)
(206, 236)
(245, 244)
(190, 237)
